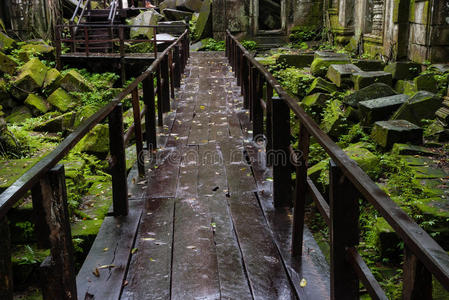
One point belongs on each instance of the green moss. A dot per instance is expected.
(96, 141)
(11, 170)
(61, 100)
(86, 228)
(320, 65)
(6, 42)
(7, 64)
(19, 115)
(72, 81)
(51, 79)
(36, 103)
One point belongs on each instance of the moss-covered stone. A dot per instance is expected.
(369, 64)
(386, 239)
(31, 78)
(203, 26)
(374, 91)
(6, 42)
(341, 75)
(37, 104)
(61, 100)
(52, 78)
(426, 82)
(19, 115)
(74, 82)
(405, 87)
(96, 141)
(12, 169)
(57, 124)
(403, 70)
(7, 64)
(381, 108)
(387, 133)
(320, 85)
(301, 60)
(321, 65)
(364, 79)
(334, 120)
(36, 49)
(149, 17)
(407, 149)
(436, 131)
(422, 105)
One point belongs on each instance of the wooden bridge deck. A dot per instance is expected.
(202, 224)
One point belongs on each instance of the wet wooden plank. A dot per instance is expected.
(109, 256)
(313, 266)
(267, 276)
(213, 190)
(199, 132)
(149, 273)
(195, 270)
(163, 178)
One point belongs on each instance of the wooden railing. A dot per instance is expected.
(348, 183)
(85, 43)
(46, 179)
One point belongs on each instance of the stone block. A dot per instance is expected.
(51, 81)
(336, 121)
(369, 64)
(57, 124)
(176, 27)
(405, 87)
(422, 105)
(7, 64)
(341, 75)
(61, 100)
(320, 65)
(176, 15)
(439, 68)
(318, 99)
(189, 5)
(171, 4)
(376, 90)
(19, 115)
(96, 141)
(203, 27)
(31, 78)
(74, 82)
(6, 42)
(403, 70)
(37, 104)
(149, 17)
(387, 133)
(330, 54)
(381, 109)
(364, 79)
(302, 60)
(426, 82)
(407, 149)
(320, 85)
(36, 49)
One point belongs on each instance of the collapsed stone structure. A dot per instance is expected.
(395, 29)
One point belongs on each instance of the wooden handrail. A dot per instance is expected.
(421, 244)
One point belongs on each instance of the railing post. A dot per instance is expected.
(177, 69)
(155, 42)
(118, 162)
(165, 85)
(269, 120)
(63, 274)
(252, 90)
(40, 222)
(300, 191)
(257, 107)
(344, 233)
(246, 83)
(241, 74)
(282, 182)
(150, 115)
(121, 34)
(58, 47)
(6, 284)
(417, 281)
(138, 132)
(160, 112)
(237, 66)
(86, 40)
(172, 74)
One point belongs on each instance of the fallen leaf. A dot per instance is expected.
(134, 250)
(303, 283)
(96, 272)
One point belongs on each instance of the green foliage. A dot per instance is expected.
(192, 27)
(212, 45)
(249, 45)
(301, 34)
(294, 81)
(27, 228)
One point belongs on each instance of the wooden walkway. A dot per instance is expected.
(208, 228)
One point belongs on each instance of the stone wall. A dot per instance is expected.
(394, 29)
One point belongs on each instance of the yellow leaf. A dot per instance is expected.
(303, 283)
(96, 272)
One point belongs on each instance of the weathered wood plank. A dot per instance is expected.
(149, 273)
(312, 266)
(194, 270)
(213, 190)
(109, 256)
